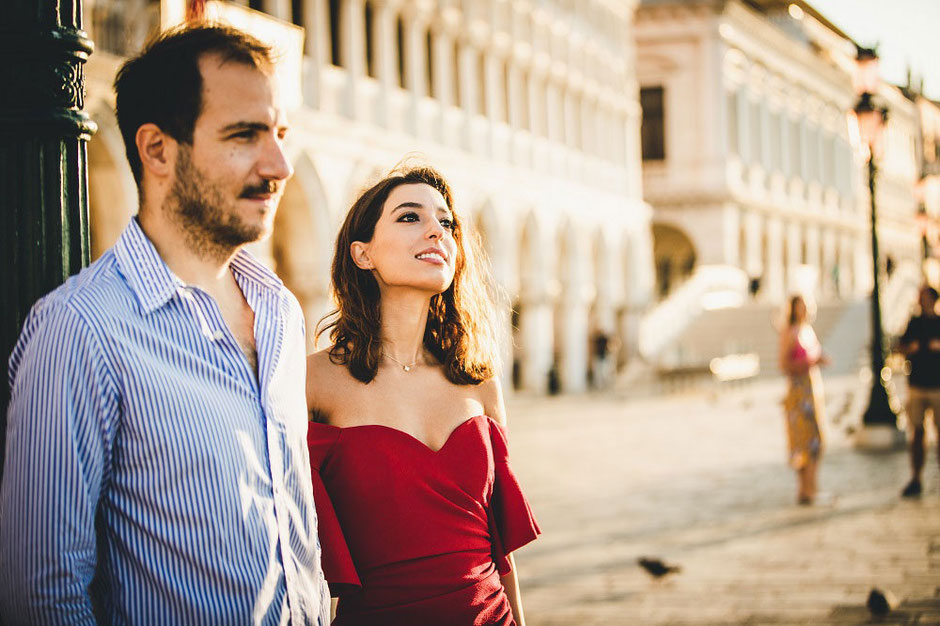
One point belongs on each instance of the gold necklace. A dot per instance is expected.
(407, 367)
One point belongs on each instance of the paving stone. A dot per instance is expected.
(701, 481)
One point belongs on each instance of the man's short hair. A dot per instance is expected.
(162, 85)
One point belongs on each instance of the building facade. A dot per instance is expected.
(750, 156)
(529, 109)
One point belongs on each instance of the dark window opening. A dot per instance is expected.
(652, 131)
(429, 61)
(297, 12)
(400, 40)
(371, 66)
(335, 57)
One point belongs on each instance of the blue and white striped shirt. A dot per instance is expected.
(151, 477)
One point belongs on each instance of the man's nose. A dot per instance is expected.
(274, 163)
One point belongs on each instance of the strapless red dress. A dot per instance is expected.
(412, 536)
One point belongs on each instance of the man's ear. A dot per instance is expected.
(359, 252)
(157, 150)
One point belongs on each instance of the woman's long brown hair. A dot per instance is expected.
(459, 331)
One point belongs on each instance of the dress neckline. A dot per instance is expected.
(409, 435)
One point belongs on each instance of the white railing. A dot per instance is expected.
(710, 287)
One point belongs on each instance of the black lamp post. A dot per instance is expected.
(871, 118)
(43, 168)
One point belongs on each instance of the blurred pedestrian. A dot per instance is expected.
(921, 344)
(603, 345)
(800, 357)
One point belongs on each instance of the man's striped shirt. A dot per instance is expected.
(151, 477)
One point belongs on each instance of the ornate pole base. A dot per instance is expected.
(879, 431)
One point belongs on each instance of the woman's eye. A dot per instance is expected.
(408, 217)
(447, 223)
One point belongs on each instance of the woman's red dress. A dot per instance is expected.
(413, 536)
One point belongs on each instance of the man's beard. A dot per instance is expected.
(210, 224)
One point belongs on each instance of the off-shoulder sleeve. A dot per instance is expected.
(512, 524)
(338, 567)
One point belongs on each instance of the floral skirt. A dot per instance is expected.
(803, 410)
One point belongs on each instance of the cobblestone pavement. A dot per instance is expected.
(700, 480)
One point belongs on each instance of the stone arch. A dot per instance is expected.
(363, 176)
(532, 314)
(602, 325)
(674, 256)
(112, 192)
(301, 246)
(574, 293)
(486, 226)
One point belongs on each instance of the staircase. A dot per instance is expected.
(682, 336)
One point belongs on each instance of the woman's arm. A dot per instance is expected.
(511, 585)
(494, 407)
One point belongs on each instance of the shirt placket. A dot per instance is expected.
(267, 319)
(215, 330)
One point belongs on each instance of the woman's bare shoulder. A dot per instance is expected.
(491, 397)
(326, 380)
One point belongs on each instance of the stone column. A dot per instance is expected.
(813, 257)
(554, 118)
(467, 69)
(43, 162)
(846, 266)
(281, 9)
(352, 54)
(731, 235)
(537, 339)
(830, 251)
(774, 268)
(515, 115)
(316, 47)
(752, 262)
(443, 76)
(385, 60)
(573, 351)
(794, 251)
(414, 23)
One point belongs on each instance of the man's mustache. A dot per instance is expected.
(263, 188)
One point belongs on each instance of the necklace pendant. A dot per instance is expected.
(407, 368)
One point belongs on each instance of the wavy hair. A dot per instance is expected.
(459, 332)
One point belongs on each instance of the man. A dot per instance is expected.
(921, 344)
(156, 468)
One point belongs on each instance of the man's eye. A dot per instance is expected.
(245, 134)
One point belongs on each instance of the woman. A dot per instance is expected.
(407, 443)
(800, 356)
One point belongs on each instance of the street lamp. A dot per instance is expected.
(879, 417)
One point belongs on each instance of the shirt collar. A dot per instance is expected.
(155, 284)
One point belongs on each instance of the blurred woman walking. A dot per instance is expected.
(800, 357)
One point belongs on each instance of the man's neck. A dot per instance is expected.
(201, 268)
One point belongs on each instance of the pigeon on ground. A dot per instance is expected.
(656, 568)
(880, 602)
